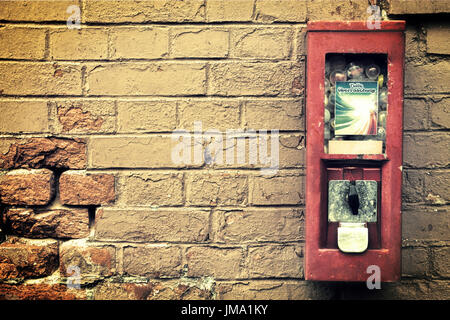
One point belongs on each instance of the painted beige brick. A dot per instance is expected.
(441, 262)
(440, 113)
(79, 44)
(199, 43)
(437, 187)
(280, 10)
(144, 11)
(248, 79)
(40, 78)
(144, 78)
(212, 189)
(274, 114)
(261, 43)
(418, 7)
(139, 42)
(414, 262)
(292, 152)
(427, 77)
(411, 42)
(283, 189)
(301, 41)
(412, 186)
(42, 10)
(138, 152)
(416, 114)
(425, 223)
(23, 116)
(151, 189)
(275, 262)
(154, 262)
(258, 225)
(219, 263)
(152, 225)
(146, 116)
(422, 150)
(212, 114)
(273, 290)
(253, 149)
(337, 10)
(22, 43)
(437, 38)
(225, 10)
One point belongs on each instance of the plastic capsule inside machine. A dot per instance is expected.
(326, 115)
(372, 72)
(382, 118)
(326, 133)
(331, 99)
(381, 134)
(327, 85)
(355, 71)
(332, 124)
(383, 96)
(337, 75)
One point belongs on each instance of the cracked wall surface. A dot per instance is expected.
(93, 204)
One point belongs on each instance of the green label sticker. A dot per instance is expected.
(356, 108)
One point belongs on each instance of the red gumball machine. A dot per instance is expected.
(354, 150)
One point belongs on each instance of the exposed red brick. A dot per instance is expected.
(7, 268)
(44, 152)
(101, 256)
(24, 258)
(297, 86)
(56, 223)
(94, 260)
(154, 290)
(76, 118)
(86, 189)
(40, 292)
(26, 187)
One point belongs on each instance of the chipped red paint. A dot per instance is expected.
(354, 26)
(323, 261)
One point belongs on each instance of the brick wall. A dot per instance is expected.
(88, 177)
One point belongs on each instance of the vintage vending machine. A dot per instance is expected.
(354, 132)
